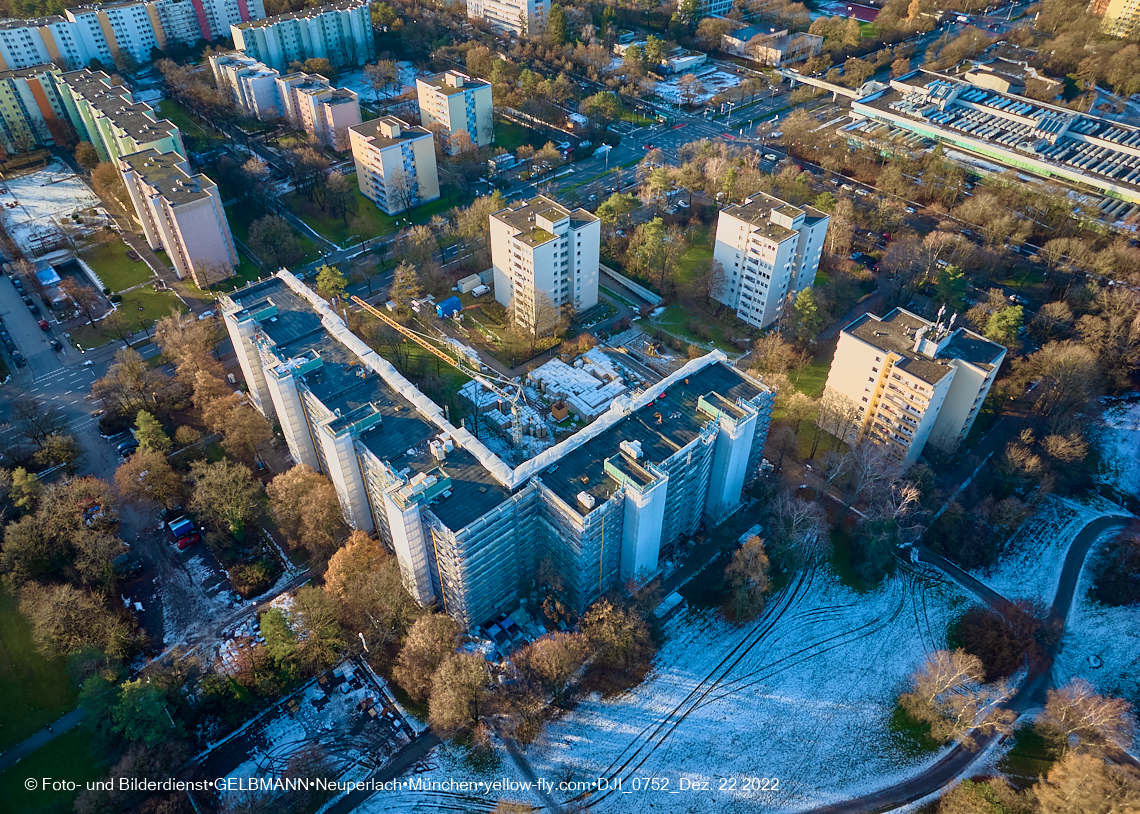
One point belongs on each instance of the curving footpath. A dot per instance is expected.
(957, 761)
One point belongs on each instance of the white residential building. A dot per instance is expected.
(339, 32)
(769, 250)
(523, 17)
(458, 103)
(545, 258)
(395, 163)
(913, 380)
(109, 31)
(182, 214)
(254, 84)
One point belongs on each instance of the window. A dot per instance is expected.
(870, 378)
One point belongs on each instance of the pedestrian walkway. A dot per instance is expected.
(23, 749)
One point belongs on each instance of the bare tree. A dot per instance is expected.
(949, 694)
(87, 299)
(1075, 715)
(798, 529)
(838, 415)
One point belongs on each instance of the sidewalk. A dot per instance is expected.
(22, 750)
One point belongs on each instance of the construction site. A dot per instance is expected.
(471, 532)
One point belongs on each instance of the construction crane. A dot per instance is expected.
(498, 385)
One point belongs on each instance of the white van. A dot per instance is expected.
(480, 290)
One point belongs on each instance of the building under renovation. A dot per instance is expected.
(471, 533)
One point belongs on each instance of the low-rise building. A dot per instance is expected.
(106, 115)
(339, 32)
(395, 163)
(770, 252)
(771, 46)
(472, 535)
(1007, 76)
(910, 381)
(182, 214)
(457, 103)
(545, 258)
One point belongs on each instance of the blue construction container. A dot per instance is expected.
(450, 306)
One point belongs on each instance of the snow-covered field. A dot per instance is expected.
(1030, 566)
(1110, 637)
(804, 695)
(42, 199)
(357, 83)
(1120, 442)
(714, 83)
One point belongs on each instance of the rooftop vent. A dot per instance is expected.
(632, 449)
(586, 500)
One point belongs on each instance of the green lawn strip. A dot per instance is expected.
(333, 228)
(170, 109)
(510, 136)
(701, 251)
(1030, 758)
(72, 756)
(36, 691)
(241, 217)
(811, 379)
(675, 321)
(868, 30)
(143, 307)
(911, 736)
(617, 297)
(117, 271)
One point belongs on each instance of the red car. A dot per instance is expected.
(188, 540)
(44, 325)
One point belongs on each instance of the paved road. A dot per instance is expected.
(404, 760)
(21, 750)
(958, 760)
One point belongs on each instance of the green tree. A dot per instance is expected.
(557, 29)
(1003, 326)
(140, 713)
(603, 107)
(59, 450)
(25, 489)
(951, 286)
(808, 322)
(227, 494)
(654, 50)
(280, 641)
(149, 433)
(634, 58)
(330, 282)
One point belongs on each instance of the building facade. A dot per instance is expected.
(457, 103)
(522, 17)
(770, 252)
(253, 83)
(1122, 18)
(395, 163)
(771, 46)
(182, 214)
(107, 115)
(472, 535)
(30, 107)
(322, 111)
(339, 32)
(912, 381)
(545, 259)
(110, 32)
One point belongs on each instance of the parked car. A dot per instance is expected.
(56, 345)
(188, 540)
(127, 448)
(6, 338)
(28, 301)
(43, 323)
(19, 284)
(18, 358)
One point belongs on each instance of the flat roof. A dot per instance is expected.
(758, 212)
(663, 427)
(303, 14)
(30, 72)
(371, 129)
(163, 172)
(439, 82)
(894, 333)
(401, 438)
(970, 347)
(115, 103)
(521, 217)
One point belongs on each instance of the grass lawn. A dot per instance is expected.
(701, 251)
(117, 271)
(676, 318)
(239, 225)
(35, 691)
(144, 306)
(170, 109)
(334, 229)
(511, 136)
(811, 379)
(71, 757)
(1029, 758)
(868, 30)
(636, 118)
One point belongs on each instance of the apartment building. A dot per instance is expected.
(769, 250)
(771, 46)
(30, 107)
(339, 32)
(545, 258)
(107, 115)
(395, 163)
(182, 214)
(522, 17)
(253, 83)
(1122, 18)
(457, 102)
(468, 531)
(109, 32)
(322, 111)
(913, 381)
